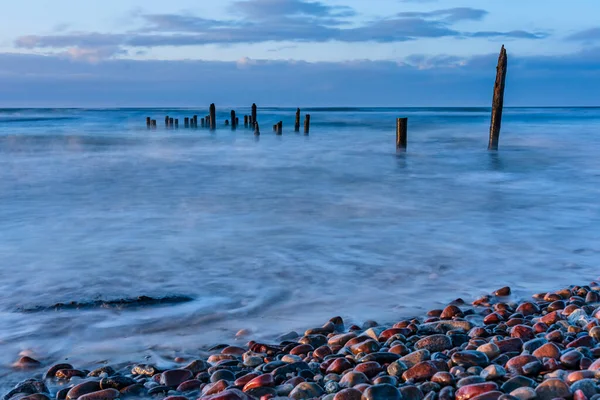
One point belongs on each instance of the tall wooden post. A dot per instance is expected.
(170, 122)
(233, 120)
(153, 124)
(186, 122)
(237, 121)
(177, 123)
(195, 119)
(297, 123)
(167, 121)
(306, 124)
(246, 121)
(253, 113)
(498, 101)
(280, 128)
(256, 129)
(401, 133)
(213, 117)
(148, 122)
(226, 122)
(202, 122)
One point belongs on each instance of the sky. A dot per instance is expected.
(115, 53)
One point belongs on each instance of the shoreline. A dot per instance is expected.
(543, 348)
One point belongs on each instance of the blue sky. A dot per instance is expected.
(297, 52)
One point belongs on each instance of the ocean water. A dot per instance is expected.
(278, 233)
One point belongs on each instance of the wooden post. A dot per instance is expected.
(148, 122)
(213, 117)
(195, 119)
(186, 122)
(167, 121)
(274, 127)
(253, 113)
(237, 122)
(297, 123)
(170, 122)
(233, 123)
(498, 100)
(153, 122)
(177, 123)
(226, 122)
(280, 127)
(246, 121)
(202, 122)
(401, 133)
(256, 129)
(306, 124)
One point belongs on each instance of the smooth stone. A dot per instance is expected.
(579, 375)
(385, 379)
(116, 382)
(222, 374)
(587, 386)
(548, 350)
(517, 382)
(524, 393)
(532, 368)
(381, 392)
(443, 378)
(397, 368)
(412, 359)
(370, 369)
(144, 369)
(265, 380)
(380, 357)
(491, 350)
(352, 378)
(493, 372)
(515, 364)
(445, 326)
(290, 358)
(229, 394)
(493, 395)
(83, 388)
(197, 366)
(103, 371)
(420, 372)
(332, 387)
(261, 392)
(470, 391)
(51, 373)
(571, 359)
(348, 394)
(411, 392)
(434, 343)
(534, 344)
(106, 394)
(339, 365)
(470, 358)
(253, 361)
(306, 390)
(36, 396)
(188, 386)
(552, 388)
(469, 380)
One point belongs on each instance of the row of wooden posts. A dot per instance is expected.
(250, 121)
(210, 121)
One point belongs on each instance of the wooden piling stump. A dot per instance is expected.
(186, 122)
(253, 113)
(213, 117)
(170, 122)
(256, 129)
(246, 121)
(167, 121)
(498, 100)
(297, 123)
(237, 121)
(177, 123)
(233, 120)
(401, 133)
(202, 122)
(306, 124)
(226, 122)
(195, 121)
(153, 123)
(280, 128)
(148, 122)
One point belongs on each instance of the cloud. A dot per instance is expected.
(587, 35)
(260, 21)
(416, 80)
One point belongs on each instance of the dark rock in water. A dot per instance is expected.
(352, 378)
(141, 301)
(83, 388)
(348, 394)
(434, 343)
(380, 357)
(470, 391)
(62, 393)
(161, 389)
(27, 362)
(175, 377)
(144, 369)
(106, 394)
(517, 382)
(109, 371)
(470, 358)
(116, 382)
(381, 392)
(51, 373)
(306, 390)
(134, 390)
(411, 392)
(36, 396)
(67, 374)
(420, 372)
(587, 386)
(505, 291)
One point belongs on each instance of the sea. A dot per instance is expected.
(273, 233)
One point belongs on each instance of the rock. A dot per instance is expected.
(380, 357)
(524, 393)
(339, 365)
(551, 389)
(493, 372)
(434, 343)
(445, 326)
(188, 386)
(420, 372)
(571, 359)
(51, 373)
(106, 394)
(469, 391)
(348, 394)
(370, 369)
(116, 382)
(412, 359)
(534, 344)
(491, 350)
(102, 371)
(352, 378)
(397, 368)
(411, 392)
(265, 380)
(470, 358)
(505, 291)
(229, 394)
(548, 350)
(67, 374)
(381, 392)
(443, 378)
(517, 382)
(306, 390)
(515, 364)
(83, 388)
(587, 386)
(493, 395)
(222, 374)
(27, 362)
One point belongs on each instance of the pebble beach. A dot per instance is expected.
(495, 347)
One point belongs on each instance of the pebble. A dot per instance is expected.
(381, 392)
(551, 389)
(434, 343)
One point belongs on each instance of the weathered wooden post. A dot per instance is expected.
(148, 122)
(233, 123)
(253, 113)
(195, 119)
(401, 133)
(213, 117)
(226, 122)
(176, 123)
(167, 121)
(153, 124)
(274, 127)
(170, 122)
(202, 122)
(297, 123)
(306, 124)
(246, 121)
(280, 127)
(256, 129)
(237, 121)
(186, 122)
(498, 100)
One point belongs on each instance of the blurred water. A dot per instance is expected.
(279, 233)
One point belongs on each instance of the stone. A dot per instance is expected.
(551, 389)
(306, 390)
(524, 393)
(420, 372)
(571, 359)
(265, 380)
(348, 394)
(469, 391)
(470, 358)
(116, 382)
(491, 350)
(493, 372)
(517, 382)
(83, 388)
(587, 386)
(505, 291)
(412, 359)
(381, 392)
(339, 365)
(548, 350)
(434, 343)
(352, 378)
(515, 364)
(106, 394)
(370, 369)
(397, 368)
